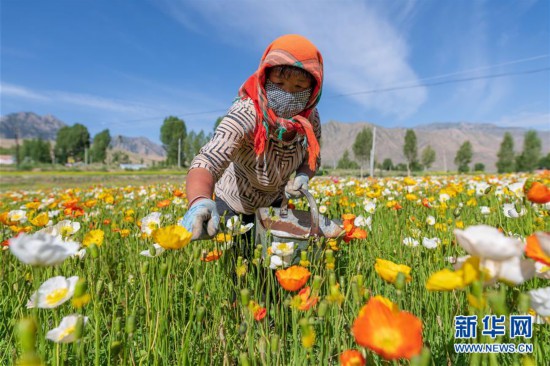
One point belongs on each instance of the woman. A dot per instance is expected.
(270, 132)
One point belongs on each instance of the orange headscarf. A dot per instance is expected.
(292, 50)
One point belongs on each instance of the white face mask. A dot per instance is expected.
(283, 103)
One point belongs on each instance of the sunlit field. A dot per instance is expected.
(104, 275)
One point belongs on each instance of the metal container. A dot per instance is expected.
(304, 228)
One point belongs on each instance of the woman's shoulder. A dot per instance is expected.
(242, 113)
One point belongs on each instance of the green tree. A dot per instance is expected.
(464, 157)
(362, 147)
(36, 151)
(428, 156)
(101, 142)
(346, 163)
(387, 164)
(410, 149)
(479, 167)
(506, 162)
(528, 160)
(544, 162)
(173, 131)
(72, 141)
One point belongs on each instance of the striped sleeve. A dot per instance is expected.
(220, 151)
(316, 124)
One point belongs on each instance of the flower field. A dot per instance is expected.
(105, 275)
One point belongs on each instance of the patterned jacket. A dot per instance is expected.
(243, 180)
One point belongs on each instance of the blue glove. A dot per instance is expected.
(300, 181)
(202, 219)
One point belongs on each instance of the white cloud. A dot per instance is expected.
(10, 90)
(361, 48)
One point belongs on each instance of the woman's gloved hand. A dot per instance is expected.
(300, 182)
(202, 219)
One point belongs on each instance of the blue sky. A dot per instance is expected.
(127, 64)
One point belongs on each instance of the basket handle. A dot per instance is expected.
(283, 212)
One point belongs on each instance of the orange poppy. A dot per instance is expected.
(534, 250)
(537, 192)
(177, 193)
(212, 256)
(293, 278)
(163, 203)
(304, 300)
(352, 357)
(390, 334)
(426, 203)
(355, 233)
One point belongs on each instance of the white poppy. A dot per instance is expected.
(81, 253)
(444, 197)
(410, 242)
(40, 249)
(322, 209)
(360, 221)
(66, 330)
(543, 271)
(64, 228)
(430, 220)
(485, 210)
(510, 211)
(540, 301)
(53, 292)
(370, 207)
(19, 216)
(431, 243)
(158, 251)
(487, 242)
(282, 249)
(512, 271)
(150, 223)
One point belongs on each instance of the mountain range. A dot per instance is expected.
(444, 138)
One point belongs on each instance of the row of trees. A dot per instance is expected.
(73, 144)
(508, 161)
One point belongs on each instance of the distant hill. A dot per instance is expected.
(28, 125)
(444, 138)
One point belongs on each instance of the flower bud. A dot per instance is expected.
(144, 268)
(316, 286)
(489, 189)
(245, 297)
(163, 269)
(79, 327)
(98, 287)
(26, 333)
(322, 309)
(400, 281)
(117, 325)
(116, 347)
(243, 358)
(200, 313)
(81, 287)
(332, 279)
(457, 211)
(152, 250)
(198, 285)
(94, 251)
(274, 343)
(130, 324)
